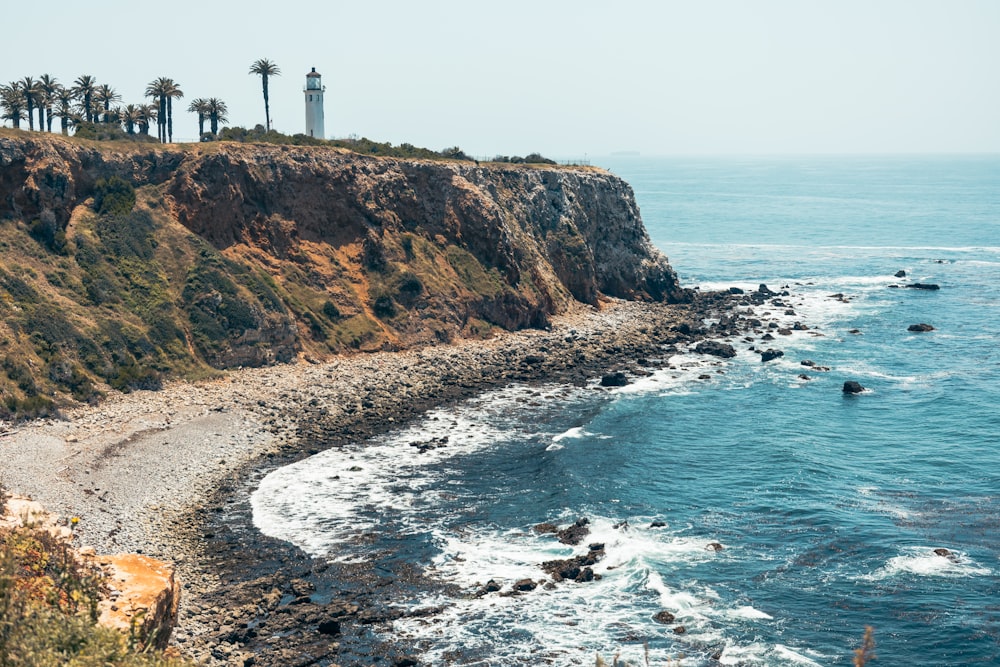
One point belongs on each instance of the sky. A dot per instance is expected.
(568, 79)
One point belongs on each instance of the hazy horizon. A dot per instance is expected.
(566, 79)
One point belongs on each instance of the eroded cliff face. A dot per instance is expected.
(249, 254)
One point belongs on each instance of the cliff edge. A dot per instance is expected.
(224, 255)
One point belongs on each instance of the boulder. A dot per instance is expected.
(714, 546)
(852, 387)
(616, 379)
(924, 286)
(543, 528)
(716, 349)
(664, 617)
(770, 355)
(329, 627)
(574, 534)
(735, 290)
(920, 327)
(525, 585)
(147, 601)
(900, 274)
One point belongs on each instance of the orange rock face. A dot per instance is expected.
(143, 600)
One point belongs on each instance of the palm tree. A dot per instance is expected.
(12, 103)
(84, 89)
(147, 114)
(217, 113)
(105, 94)
(31, 93)
(67, 115)
(166, 90)
(200, 107)
(50, 89)
(130, 116)
(265, 68)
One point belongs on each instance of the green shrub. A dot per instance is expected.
(113, 196)
(126, 233)
(330, 310)
(384, 307)
(46, 230)
(48, 609)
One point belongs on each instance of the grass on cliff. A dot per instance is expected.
(48, 608)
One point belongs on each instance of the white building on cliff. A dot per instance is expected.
(314, 105)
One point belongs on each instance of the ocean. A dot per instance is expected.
(831, 510)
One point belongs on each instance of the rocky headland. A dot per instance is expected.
(206, 326)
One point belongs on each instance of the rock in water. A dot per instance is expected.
(924, 286)
(770, 355)
(616, 379)
(715, 348)
(900, 274)
(920, 327)
(852, 387)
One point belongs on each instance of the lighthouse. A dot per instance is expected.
(314, 105)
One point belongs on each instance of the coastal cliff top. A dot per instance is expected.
(139, 147)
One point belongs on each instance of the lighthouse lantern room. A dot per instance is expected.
(314, 105)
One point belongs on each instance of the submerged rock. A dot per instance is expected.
(852, 387)
(920, 327)
(924, 286)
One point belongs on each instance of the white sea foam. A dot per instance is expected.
(322, 501)
(923, 562)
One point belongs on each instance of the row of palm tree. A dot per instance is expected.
(86, 101)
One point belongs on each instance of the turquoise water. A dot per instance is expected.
(829, 507)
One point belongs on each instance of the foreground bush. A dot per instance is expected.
(48, 609)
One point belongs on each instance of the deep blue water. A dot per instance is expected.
(829, 507)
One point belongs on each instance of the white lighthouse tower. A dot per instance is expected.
(314, 105)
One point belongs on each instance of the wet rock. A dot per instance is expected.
(852, 387)
(575, 533)
(735, 290)
(714, 546)
(492, 586)
(525, 585)
(716, 349)
(658, 524)
(616, 379)
(770, 355)
(807, 362)
(920, 327)
(329, 627)
(543, 528)
(664, 617)
(900, 274)
(924, 286)
(680, 630)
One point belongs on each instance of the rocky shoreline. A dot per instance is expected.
(168, 473)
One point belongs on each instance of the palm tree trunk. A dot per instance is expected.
(170, 119)
(88, 111)
(64, 122)
(48, 118)
(267, 106)
(31, 117)
(161, 120)
(41, 118)
(201, 125)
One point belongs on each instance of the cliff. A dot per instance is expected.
(234, 255)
